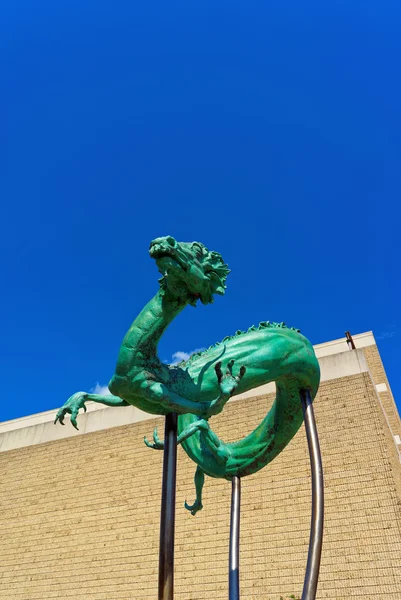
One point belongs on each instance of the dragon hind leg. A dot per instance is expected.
(199, 480)
(158, 444)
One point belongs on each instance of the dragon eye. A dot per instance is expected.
(198, 250)
(171, 241)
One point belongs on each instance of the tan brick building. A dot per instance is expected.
(80, 511)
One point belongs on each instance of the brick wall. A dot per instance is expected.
(79, 517)
(379, 376)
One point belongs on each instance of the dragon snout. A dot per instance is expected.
(162, 246)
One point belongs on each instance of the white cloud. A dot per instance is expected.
(179, 356)
(101, 390)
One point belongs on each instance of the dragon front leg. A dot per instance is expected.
(77, 401)
(199, 480)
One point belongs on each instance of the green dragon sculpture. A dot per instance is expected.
(199, 388)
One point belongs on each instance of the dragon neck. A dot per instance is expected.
(150, 324)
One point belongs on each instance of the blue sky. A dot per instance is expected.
(268, 131)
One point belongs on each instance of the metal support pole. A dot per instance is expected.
(316, 532)
(233, 565)
(167, 517)
(350, 341)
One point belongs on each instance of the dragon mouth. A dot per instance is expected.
(159, 251)
(165, 263)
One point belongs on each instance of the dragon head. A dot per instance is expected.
(189, 270)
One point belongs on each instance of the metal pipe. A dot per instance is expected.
(233, 564)
(350, 341)
(316, 532)
(167, 517)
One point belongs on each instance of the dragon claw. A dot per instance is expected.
(229, 382)
(229, 370)
(193, 508)
(60, 417)
(72, 407)
(218, 370)
(242, 372)
(157, 442)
